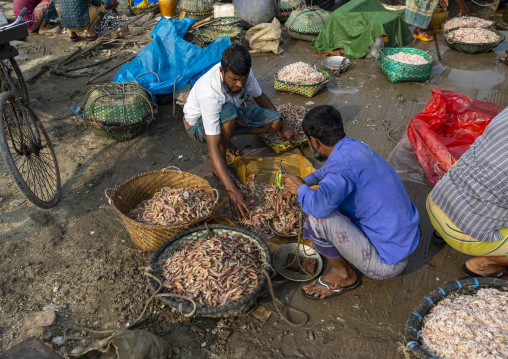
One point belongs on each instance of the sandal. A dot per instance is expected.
(423, 37)
(335, 288)
(436, 238)
(75, 38)
(504, 59)
(92, 38)
(467, 273)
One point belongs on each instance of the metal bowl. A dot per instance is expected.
(280, 257)
(337, 63)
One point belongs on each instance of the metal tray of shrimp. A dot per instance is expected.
(11, 33)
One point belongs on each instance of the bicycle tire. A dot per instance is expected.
(34, 168)
(22, 92)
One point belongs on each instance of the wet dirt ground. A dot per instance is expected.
(77, 258)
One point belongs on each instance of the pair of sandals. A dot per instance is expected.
(504, 59)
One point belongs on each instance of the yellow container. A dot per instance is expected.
(167, 7)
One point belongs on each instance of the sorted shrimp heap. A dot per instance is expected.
(473, 36)
(214, 272)
(410, 59)
(172, 206)
(263, 209)
(301, 73)
(468, 326)
(467, 21)
(292, 115)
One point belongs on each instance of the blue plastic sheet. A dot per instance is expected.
(172, 58)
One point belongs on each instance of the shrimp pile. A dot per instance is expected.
(473, 36)
(213, 272)
(173, 206)
(468, 326)
(301, 73)
(466, 21)
(410, 59)
(292, 115)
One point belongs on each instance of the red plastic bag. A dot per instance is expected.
(446, 128)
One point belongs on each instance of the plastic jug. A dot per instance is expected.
(167, 7)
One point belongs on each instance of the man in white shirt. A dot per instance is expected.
(213, 114)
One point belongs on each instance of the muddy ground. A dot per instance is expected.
(77, 259)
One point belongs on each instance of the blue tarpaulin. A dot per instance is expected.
(171, 58)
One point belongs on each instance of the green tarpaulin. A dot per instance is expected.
(355, 26)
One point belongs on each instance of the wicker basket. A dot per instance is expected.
(209, 34)
(470, 48)
(398, 72)
(310, 20)
(302, 36)
(279, 147)
(119, 111)
(171, 245)
(463, 286)
(136, 10)
(197, 15)
(305, 90)
(148, 237)
(196, 6)
(286, 7)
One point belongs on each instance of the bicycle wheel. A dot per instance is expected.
(17, 79)
(28, 152)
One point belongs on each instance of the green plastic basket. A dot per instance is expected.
(470, 48)
(118, 111)
(305, 90)
(398, 72)
(172, 245)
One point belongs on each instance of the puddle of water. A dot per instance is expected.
(337, 88)
(482, 80)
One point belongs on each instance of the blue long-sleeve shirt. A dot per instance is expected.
(360, 184)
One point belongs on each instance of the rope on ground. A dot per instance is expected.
(390, 131)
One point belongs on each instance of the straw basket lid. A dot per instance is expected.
(196, 6)
(285, 5)
(310, 20)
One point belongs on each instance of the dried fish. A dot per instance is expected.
(301, 73)
(473, 36)
(410, 59)
(468, 326)
(264, 210)
(109, 22)
(173, 206)
(214, 272)
(292, 115)
(466, 21)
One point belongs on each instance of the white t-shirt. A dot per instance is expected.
(208, 96)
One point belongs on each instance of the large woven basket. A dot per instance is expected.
(171, 245)
(305, 90)
(138, 10)
(196, 6)
(118, 110)
(468, 47)
(208, 34)
(417, 318)
(397, 71)
(149, 237)
(309, 20)
(302, 35)
(286, 7)
(196, 15)
(279, 147)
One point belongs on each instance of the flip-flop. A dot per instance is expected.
(436, 239)
(335, 288)
(467, 273)
(504, 59)
(75, 38)
(92, 38)
(423, 37)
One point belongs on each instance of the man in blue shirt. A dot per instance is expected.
(359, 215)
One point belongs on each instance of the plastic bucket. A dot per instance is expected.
(167, 7)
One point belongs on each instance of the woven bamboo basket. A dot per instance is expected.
(305, 90)
(279, 147)
(196, 6)
(149, 237)
(307, 23)
(417, 318)
(196, 15)
(208, 34)
(398, 72)
(170, 246)
(470, 48)
(136, 10)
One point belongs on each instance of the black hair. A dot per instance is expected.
(236, 59)
(324, 123)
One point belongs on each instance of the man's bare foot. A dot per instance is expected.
(53, 31)
(338, 277)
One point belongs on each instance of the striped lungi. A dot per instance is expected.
(419, 12)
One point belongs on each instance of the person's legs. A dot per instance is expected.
(96, 13)
(257, 120)
(486, 265)
(342, 243)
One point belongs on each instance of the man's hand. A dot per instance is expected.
(443, 4)
(292, 183)
(288, 134)
(238, 204)
(284, 197)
